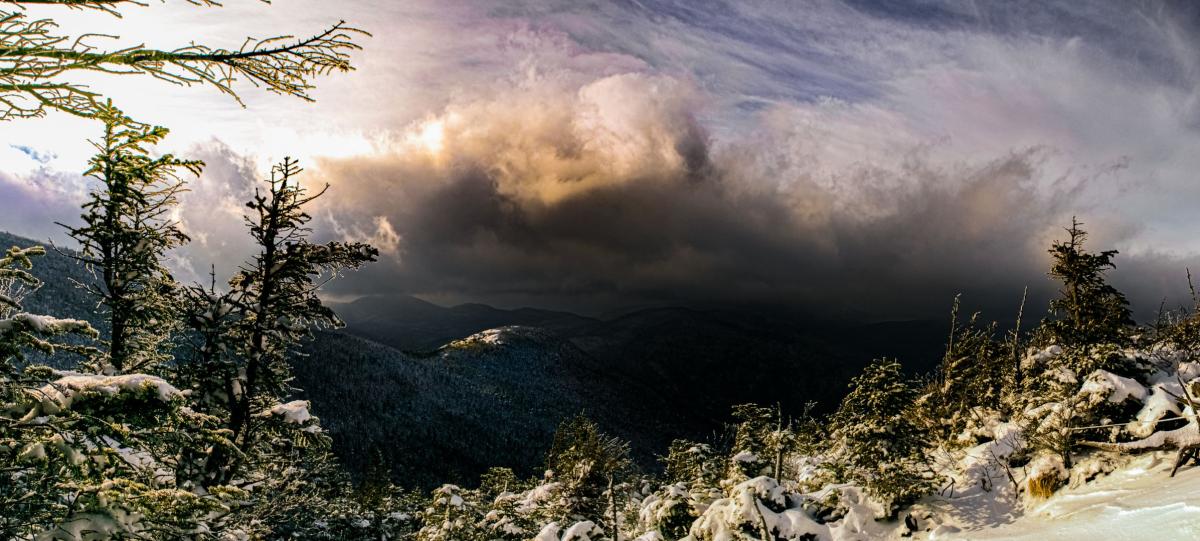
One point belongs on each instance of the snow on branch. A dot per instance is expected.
(59, 395)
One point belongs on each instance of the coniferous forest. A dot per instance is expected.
(174, 413)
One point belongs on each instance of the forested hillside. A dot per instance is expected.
(640, 376)
(647, 377)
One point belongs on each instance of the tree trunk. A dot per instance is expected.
(612, 504)
(778, 441)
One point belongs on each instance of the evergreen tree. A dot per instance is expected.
(670, 511)
(497, 481)
(693, 474)
(342, 514)
(696, 464)
(508, 515)
(1088, 310)
(1089, 327)
(375, 509)
(88, 453)
(127, 230)
(877, 443)
(376, 485)
(589, 466)
(243, 340)
(753, 447)
(450, 516)
(974, 374)
(271, 306)
(124, 455)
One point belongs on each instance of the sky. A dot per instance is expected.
(872, 158)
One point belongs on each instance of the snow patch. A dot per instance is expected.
(294, 412)
(1114, 388)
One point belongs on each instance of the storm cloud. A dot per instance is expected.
(611, 193)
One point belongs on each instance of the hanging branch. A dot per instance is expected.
(107, 6)
(34, 61)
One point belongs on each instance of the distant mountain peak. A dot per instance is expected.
(499, 336)
(411, 324)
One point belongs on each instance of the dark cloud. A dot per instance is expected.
(584, 205)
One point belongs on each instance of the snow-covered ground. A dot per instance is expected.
(1138, 501)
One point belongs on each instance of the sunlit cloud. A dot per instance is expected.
(431, 137)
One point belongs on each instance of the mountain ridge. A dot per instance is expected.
(388, 382)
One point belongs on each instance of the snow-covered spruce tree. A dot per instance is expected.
(753, 447)
(670, 511)
(1180, 328)
(1088, 310)
(500, 500)
(451, 515)
(86, 456)
(375, 492)
(696, 464)
(15, 280)
(808, 438)
(590, 468)
(971, 381)
(692, 482)
(1064, 388)
(21, 331)
(876, 441)
(23, 483)
(374, 509)
(497, 481)
(239, 369)
(127, 229)
(1084, 339)
(520, 509)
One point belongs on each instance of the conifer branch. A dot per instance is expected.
(35, 60)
